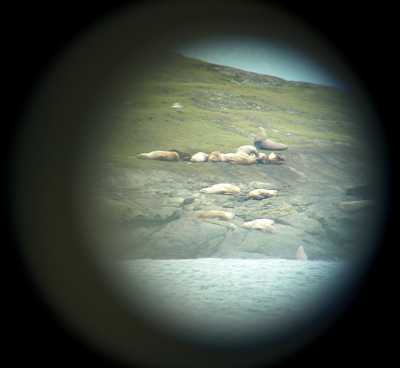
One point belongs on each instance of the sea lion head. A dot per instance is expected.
(215, 156)
(275, 158)
(260, 136)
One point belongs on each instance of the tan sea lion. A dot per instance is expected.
(160, 155)
(184, 156)
(215, 156)
(275, 158)
(236, 158)
(261, 141)
(249, 150)
(200, 157)
(355, 206)
(262, 193)
(220, 214)
(221, 189)
(262, 158)
(260, 224)
(301, 254)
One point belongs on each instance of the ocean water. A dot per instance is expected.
(232, 301)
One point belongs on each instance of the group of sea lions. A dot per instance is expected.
(244, 155)
(238, 157)
(261, 224)
(227, 189)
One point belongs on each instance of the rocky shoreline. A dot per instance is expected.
(151, 211)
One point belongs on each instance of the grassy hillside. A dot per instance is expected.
(222, 109)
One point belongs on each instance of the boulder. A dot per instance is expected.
(303, 222)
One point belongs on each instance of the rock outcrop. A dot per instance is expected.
(153, 211)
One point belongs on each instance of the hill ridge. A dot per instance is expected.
(250, 77)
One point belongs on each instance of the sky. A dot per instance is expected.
(262, 57)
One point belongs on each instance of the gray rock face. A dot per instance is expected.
(151, 213)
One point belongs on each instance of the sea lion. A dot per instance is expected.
(261, 141)
(184, 156)
(236, 158)
(160, 155)
(262, 193)
(200, 157)
(301, 254)
(249, 150)
(221, 189)
(260, 224)
(355, 206)
(215, 156)
(262, 158)
(220, 214)
(275, 158)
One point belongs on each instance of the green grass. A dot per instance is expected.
(143, 121)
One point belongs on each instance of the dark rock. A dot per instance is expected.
(187, 238)
(364, 191)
